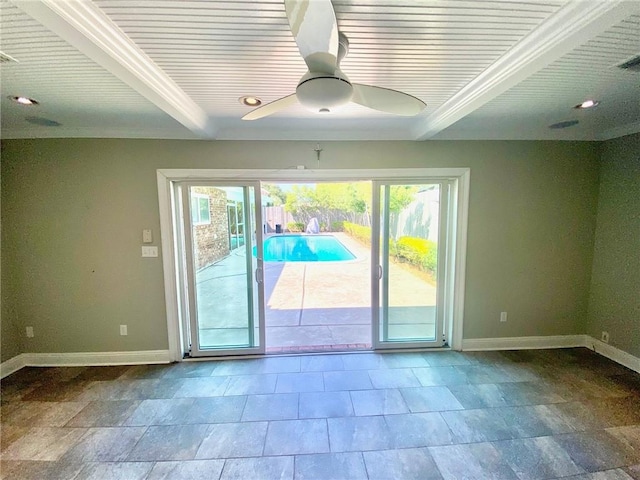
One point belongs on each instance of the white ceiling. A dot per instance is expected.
(175, 69)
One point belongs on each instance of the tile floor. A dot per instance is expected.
(504, 415)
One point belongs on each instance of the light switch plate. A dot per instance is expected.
(148, 251)
(147, 237)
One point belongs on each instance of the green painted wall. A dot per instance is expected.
(614, 303)
(74, 210)
(11, 343)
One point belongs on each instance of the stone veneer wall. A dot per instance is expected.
(212, 241)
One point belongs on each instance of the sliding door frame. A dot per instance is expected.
(380, 264)
(166, 178)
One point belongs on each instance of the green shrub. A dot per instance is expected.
(337, 226)
(359, 232)
(421, 253)
(295, 227)
(417, 251)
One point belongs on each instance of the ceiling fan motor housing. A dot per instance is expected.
(324, 93)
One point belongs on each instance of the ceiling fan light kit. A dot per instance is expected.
(325, 88)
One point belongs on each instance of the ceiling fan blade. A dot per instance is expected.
(314, 26)
(387, 100)
(271, 108)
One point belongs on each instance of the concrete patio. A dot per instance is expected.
(312, 306)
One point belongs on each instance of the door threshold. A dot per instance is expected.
(341, 347)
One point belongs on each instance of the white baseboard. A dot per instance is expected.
(12, 365)
(613, 353)
(83, 359)
(523, 343)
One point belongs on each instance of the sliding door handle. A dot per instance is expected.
(379, 272)
(259, 275)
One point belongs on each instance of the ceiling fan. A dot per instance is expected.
(325, 88)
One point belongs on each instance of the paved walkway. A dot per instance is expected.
(313, 305)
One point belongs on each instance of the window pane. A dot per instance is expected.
(204, 210)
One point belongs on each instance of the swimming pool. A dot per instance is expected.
(305, 248)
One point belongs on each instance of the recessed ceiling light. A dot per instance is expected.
(250, 101)
(587, 104)
(24, 100)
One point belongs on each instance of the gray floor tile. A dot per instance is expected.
(378, 402)
(143, 389)
(40, 470)
(407, 464)
(393, 378)
(479, 396)
(300, 382)
(112, 444)
(251, 384)
(216, 409)
(439, 376)
(615, 474)
(40, 414)
(363, 361)
(634, 471)
(481, 425)
(430, 399)
(629, 435)
(473, 461)
(405, 360)
(325, 405)
(443, 359)
(280, 365)
(479, 374)
(191, 369)
(263, 468)
(48, 443)
(528, 421)
(537, 414)
(187, 469)
(232, 440)
(160, 412)
(351, 434)
(528, 393)
(537, 458)
(330, 466)
(321, 363)
(594, 451)
(419, 430)
(578, 415)
(292, 437)
(278, 406)
(202, 387)
(169, 442)
(351, 380)
(110, 413)
(115, 471)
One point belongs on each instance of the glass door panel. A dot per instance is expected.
(224, 277)
(408, 230)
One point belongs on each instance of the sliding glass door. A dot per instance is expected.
(409, 254)
(222, 255)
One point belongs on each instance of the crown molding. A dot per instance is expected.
(571, 26)
(87, 28)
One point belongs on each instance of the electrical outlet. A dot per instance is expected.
(503, 316)
(30, 332)
(605, 337)
(123, 330)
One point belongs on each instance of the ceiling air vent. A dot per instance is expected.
(633, 64)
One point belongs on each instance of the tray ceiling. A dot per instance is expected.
(175, 69)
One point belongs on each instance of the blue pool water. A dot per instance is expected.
(304, 248)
